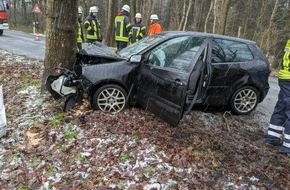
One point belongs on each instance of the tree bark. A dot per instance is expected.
(183, 14)
(270, 29)
(223, 16)
(208, 14)
(61, 33)
(110, 31)
(186, 16)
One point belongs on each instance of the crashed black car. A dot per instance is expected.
(167, 74)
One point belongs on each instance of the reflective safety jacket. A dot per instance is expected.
(93, 27)
(155, 28)
(80, 38)
(122, 28)
(137, 32)
(284, 72)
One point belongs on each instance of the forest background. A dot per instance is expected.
(263, 21)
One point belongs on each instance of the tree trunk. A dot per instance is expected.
(61, 34)
(183, 14)
(271, 22)
(223, 16)
(208, 14)
(216, 15)
(110, 31)
(186, 17)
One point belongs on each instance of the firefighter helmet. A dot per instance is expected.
(126, 8)
(94, 9)
(138, 15)
(154, 17)
(80, 10)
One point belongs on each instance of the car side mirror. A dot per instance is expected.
(136, 59)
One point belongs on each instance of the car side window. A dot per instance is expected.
(176, 53)
(230, 51)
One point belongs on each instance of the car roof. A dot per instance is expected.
(182, 33)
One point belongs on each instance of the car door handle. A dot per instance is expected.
(177, 82)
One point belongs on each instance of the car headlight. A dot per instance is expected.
(59, 86)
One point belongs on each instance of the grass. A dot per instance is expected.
(70, 134)
(58, 119)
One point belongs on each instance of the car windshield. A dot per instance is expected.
(139, 46)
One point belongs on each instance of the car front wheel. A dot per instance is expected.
(244, 100)
(110, 98)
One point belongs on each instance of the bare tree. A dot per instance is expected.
(223, 16)
(187, 13)
(208, 15)
(61, 35)
(110, 31)
(270, 29)
(183, 14)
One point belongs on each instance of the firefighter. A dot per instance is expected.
(155, 26)
(122, 27)
(80, 36)
(280, 119)
(138, 30)
(93, 26)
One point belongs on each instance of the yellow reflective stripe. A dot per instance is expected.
(288, 44)
(79, 37)
(284, 72)
(128, 25)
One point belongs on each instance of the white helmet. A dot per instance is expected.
(80, 10)
(154, 17)
(126, 8)
(94, 9)
(138, 15)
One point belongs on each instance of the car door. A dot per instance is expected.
(163, 77)
(231, 62)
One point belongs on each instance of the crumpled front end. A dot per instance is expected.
(65, 85)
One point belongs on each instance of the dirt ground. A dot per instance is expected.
(46, 148)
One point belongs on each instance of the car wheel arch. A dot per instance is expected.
(245, 88)
(98, 85)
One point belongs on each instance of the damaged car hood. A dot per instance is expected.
(98, 49)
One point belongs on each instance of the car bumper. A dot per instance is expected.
(4, 26)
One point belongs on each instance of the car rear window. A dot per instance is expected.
(230, 51)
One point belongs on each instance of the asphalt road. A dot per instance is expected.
(25, 44)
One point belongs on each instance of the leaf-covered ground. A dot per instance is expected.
(86, 149)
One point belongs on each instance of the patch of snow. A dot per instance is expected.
(253, 178)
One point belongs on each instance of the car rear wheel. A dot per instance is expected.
(110, 98)
(1, 32)
(244, 100)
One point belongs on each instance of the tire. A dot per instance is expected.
(1, 32)
(244, 100)
(110, 98)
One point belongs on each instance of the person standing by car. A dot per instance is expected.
(138, 30)
(93, 26)
(155, 26)
(122, 27)
(80, 36)
(280, 119)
